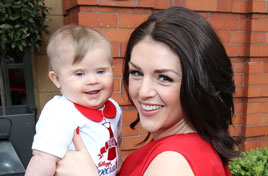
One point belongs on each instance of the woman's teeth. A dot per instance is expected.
(150, 107)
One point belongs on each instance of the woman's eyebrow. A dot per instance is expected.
(134, 65)
(159, 71)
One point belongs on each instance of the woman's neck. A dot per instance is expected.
(182, 126)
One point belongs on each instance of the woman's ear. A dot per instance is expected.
(54, 78)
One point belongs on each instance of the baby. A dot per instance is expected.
(80, 65)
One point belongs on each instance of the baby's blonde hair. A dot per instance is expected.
(80, 38)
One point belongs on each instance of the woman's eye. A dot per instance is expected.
(79, 74)
(164, 78)
(135, 73)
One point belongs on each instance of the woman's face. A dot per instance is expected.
(154, 86)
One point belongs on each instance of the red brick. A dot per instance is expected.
(252, 108)
(98, 20)
(264, 119)
(118, 68)
(258, 50)
(256, 79)
(135, 10)
(224, 22)
(128, 108)
(225, 37)
(257, 6)
(122, 3)
(239, 91)
(87, 2)
(253, 91)
(266, 36)
(259, 16)
(115, 50)
(259, 25)
(239, 6)
(231, 50)
(243, 22)
(97, 9)
(263, 138)
(252, 119)
(241, 50)
(204, 5)
(257, 38)
(127, 131)
(238, 67)
(263, 144)
(254, 67)
(131, 20)
(265, 91)
(238, 107)
(68, 4)
(265, 67)
(180, 3)
(117, 35)
(123, 47)
(260, 107)
(246, 146)
(129, 116)
(238, 37)
(257, 100)
(256, 131)
(224, 5)
(239, 79)
(237, 119)
(205, 15)
(161, 4)
(234, 130)
(117, 84)
(121, 98)
(146, 3)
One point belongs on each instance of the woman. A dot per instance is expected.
(179, 78)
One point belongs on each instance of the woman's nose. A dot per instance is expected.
(147, 89)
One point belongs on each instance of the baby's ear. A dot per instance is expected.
(54, 78)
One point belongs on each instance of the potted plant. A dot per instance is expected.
(22, 24)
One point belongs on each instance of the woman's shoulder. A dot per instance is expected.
(199, 154)
(169, 163)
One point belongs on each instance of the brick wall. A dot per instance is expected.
(241, 25)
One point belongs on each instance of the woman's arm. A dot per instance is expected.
(169, 163)
(77, 163)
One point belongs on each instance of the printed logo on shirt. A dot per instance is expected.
(107, 165)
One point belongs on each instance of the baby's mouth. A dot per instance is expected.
(92, 92)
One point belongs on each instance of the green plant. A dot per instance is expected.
(251, 163)
(21, 25)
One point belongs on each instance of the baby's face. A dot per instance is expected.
(90, 81)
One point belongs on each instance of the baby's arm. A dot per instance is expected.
(41, 164)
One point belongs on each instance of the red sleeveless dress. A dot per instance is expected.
(201, 156)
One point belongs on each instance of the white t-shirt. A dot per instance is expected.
(57, 122)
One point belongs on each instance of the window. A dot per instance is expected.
(18, 83)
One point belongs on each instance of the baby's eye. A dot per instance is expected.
(79, 74)
(164, 78)
(135, 73)
(100, 72)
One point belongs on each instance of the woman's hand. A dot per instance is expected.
(76, 163)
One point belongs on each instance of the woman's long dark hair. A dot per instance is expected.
(207, 78)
